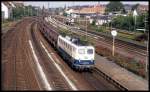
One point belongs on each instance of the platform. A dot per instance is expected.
(124, 77)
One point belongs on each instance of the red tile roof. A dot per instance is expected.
(143, 7)
(93, 9)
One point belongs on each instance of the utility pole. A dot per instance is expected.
(134, 23)
(23, 10)
(12, 15)
(146, 65)
(28, 11)
(145, 23)
(111, 24)
(134, 14)
(97, 16)
(37, 12)
(31, 11)
(48, 7)
(86, 29)
(79, 13)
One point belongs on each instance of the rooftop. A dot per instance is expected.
(93, 9)
(8, 4)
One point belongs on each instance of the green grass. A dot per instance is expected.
(128, 35)
(129, 63)
(6, 24)
(124, 34)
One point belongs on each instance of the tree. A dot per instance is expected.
(134, 7)
(114, 6)
(127, 22)
(20, 12)
(93, 22)
(123, 11)
(64, 14)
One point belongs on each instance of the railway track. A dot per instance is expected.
(94, 33)
(12, 65)
(139, 53)
(57, 82)
(119, 46)
(95, 76)
(17, 74)
(126, 46)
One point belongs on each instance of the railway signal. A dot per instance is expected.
(113, 33)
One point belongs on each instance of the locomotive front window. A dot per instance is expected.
(90, 51)
(81, 51)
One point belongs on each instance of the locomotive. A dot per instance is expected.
(76, 54)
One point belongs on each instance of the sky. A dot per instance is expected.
(54, 4)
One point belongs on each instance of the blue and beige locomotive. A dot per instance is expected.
(79, 56)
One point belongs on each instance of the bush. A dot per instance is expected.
(127, 22)
(19, 12)
(100, 29)
(127, 62)
(64, 14)
(93, 23)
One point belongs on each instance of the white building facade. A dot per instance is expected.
(7, 9)
(4, 11)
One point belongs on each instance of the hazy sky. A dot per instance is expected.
(71, 3)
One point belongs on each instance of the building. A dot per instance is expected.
(128, 8)
(87, 11)
(6, 9)
(70, 11)
(101, 19)
(142, 9)
(97, 9)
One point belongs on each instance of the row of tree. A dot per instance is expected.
(128, 22)
(115, 6)
(19, 12)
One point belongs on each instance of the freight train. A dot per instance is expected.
(76, 54)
